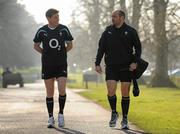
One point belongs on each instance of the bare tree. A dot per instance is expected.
(159, 33)
(173, 35)
(161, 78)
(123, 7)
(108, 7)
(137, 4)
(91, 11)
(16, 29)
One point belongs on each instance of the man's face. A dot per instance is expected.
(116, 19)
(54, 20)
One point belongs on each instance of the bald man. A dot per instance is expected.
(121, 47)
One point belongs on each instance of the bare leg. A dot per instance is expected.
(125, 88)
(62, 93)
(111, 87)
(49, 84)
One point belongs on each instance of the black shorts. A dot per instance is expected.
(54, 71)
(118, 73)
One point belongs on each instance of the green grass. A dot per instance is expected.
(156, 110)
(78, 83)
(176, 81)
(28, 70)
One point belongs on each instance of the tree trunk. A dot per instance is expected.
(111, 4)
(161, 78)
(136, 13)
(93, 18)
(94, 26)
(124, 8)
(108, 12)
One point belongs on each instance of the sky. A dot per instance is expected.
(37, 8)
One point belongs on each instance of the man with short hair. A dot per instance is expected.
(117, 43)
(56, 41)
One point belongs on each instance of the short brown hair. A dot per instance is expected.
(51, 12)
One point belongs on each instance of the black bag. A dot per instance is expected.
(136, 90)
(141, 67)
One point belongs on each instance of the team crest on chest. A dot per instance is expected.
(45, 34)
(60, 33)
(109, 32)
(125, 32)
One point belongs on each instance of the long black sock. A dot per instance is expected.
(50, 105)
(112, 101)
(125, 106)
(62, 100)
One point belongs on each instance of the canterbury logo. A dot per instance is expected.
(64, 71)
(109, 32)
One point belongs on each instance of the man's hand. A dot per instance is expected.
(69, 46)
(98, 69)
(133, 66)
(38, 48)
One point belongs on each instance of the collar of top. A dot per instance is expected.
(120, 28)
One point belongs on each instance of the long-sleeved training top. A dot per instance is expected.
(117, 45)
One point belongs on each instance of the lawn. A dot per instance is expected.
(156, 110)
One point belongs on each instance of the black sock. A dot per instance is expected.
(125, 106)
(62, 100)
(50, 106)
(112, 102)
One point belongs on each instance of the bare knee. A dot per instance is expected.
(111, 86)
(50, 93)
(125, 88)
(125, 92)
(62, 92)
(111, 92)
(49, 87)
(62, 85)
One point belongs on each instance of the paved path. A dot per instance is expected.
(23, 111)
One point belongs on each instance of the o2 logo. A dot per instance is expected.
(54, 43)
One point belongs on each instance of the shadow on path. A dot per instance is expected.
(68, 131)
(131, 131)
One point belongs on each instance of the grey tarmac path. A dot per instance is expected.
(23, 111)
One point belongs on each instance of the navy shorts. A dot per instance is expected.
(54, 71)
(118, 73)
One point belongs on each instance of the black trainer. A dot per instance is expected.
(114, 118)
(124, 123)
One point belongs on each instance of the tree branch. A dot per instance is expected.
(174, 38)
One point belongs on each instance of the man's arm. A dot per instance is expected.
(38, 48)
(101, 50)
(69, 46)
(100, 54)
(138, 50)
(137, 45)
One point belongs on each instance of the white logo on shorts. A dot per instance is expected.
(64, 72)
